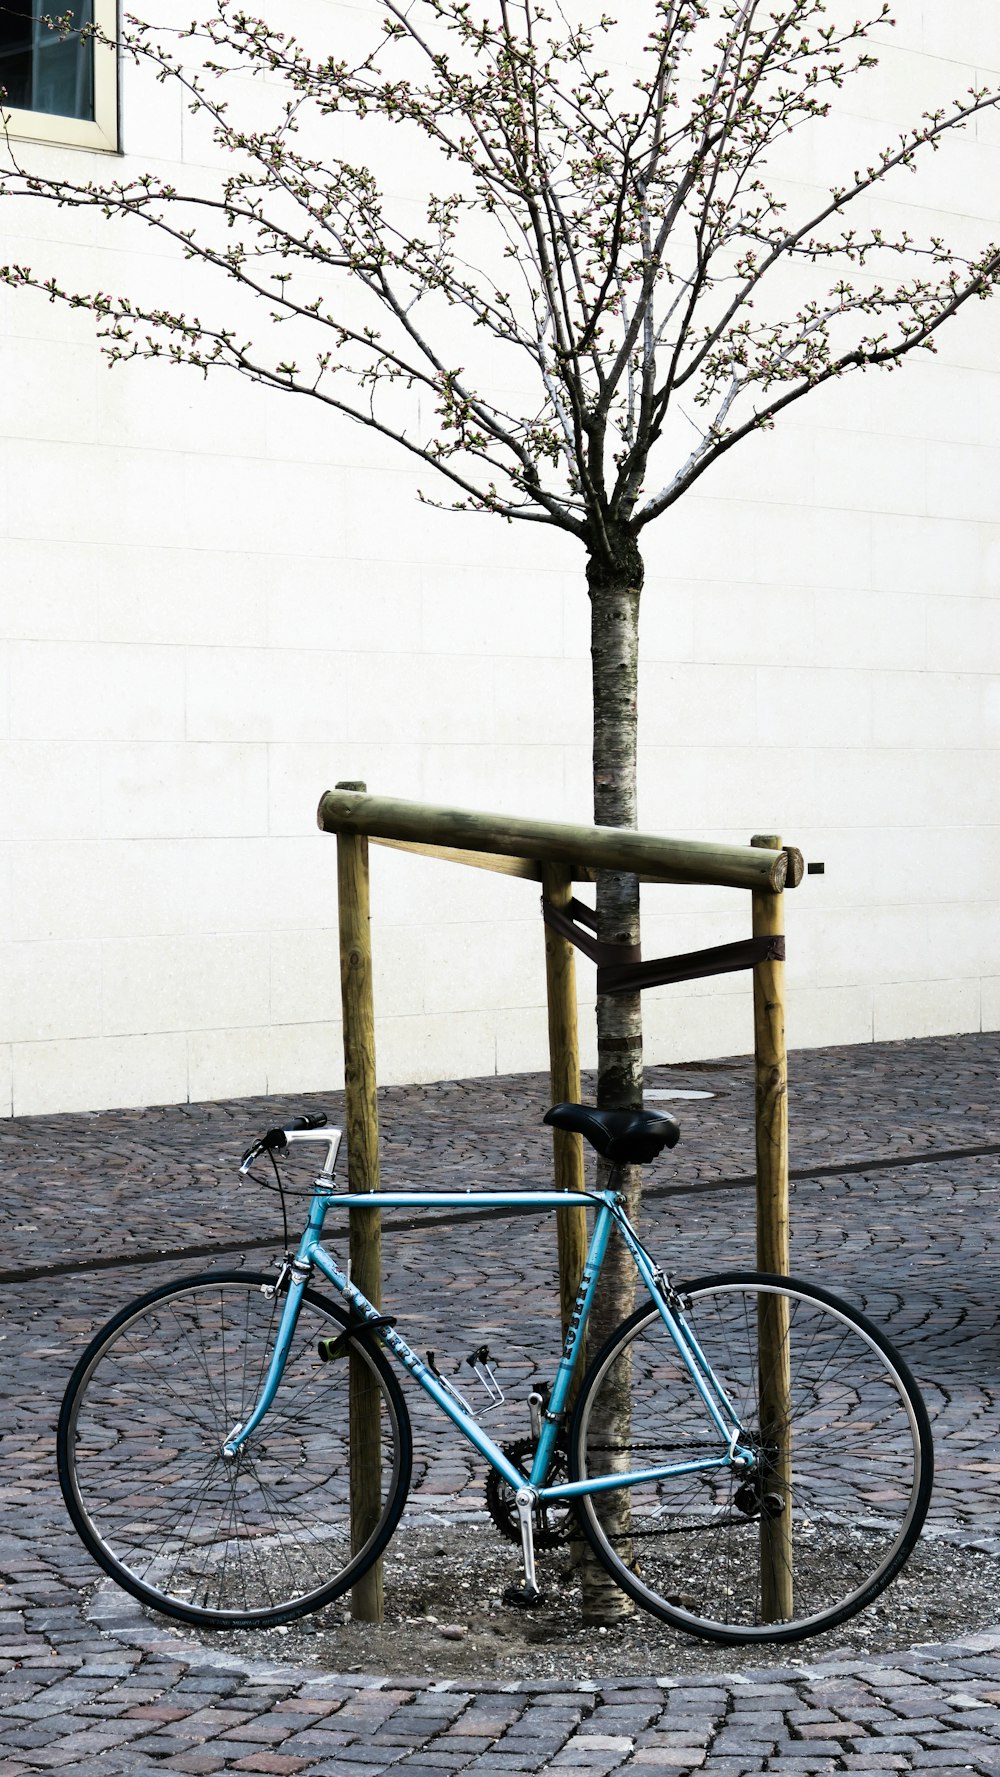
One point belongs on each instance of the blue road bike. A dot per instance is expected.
(747, 1455)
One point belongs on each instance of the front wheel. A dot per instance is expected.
(244, 1542)
(821, 1518)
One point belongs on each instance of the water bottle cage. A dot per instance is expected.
(479, 1363)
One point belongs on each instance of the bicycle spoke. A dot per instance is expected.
(172, 1534)
(161, 1379)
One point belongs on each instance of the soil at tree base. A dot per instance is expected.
(445, 1619)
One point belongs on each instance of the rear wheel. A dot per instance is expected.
(833, 1500)
(258, 1539)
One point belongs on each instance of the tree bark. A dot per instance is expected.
(615, 587)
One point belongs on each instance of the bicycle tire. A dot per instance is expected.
(834, 1530)
(223, 1543)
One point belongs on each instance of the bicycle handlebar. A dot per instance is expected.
(277, 1139)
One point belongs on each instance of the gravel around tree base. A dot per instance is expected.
(445, 1619)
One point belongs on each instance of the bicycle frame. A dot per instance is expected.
(312, 1255)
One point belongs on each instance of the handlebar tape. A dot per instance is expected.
(275, 1138)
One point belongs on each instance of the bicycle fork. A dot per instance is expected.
(296, 1274)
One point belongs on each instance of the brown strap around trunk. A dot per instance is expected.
(568, 922)
(621, 970)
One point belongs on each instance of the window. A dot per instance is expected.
(59, 86)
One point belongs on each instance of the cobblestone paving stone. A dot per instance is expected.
(913, 1242)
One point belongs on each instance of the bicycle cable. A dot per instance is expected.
(279, 1186)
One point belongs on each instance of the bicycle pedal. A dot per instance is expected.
(524, 1597)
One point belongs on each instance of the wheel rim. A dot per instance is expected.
(185, 1529)
(687, 1548)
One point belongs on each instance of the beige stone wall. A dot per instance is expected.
(215, 602)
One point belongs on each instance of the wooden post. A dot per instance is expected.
(564, 1076)
(771, 1124)
(363, 1175)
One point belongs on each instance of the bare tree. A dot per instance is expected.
(608, 218)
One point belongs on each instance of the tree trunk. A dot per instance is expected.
(615, 589)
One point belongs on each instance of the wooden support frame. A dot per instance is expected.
(555, 854)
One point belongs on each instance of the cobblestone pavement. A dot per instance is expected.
(896, 1148)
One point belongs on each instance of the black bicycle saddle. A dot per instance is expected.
(626, 1137)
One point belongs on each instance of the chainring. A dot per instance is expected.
(554, 1522)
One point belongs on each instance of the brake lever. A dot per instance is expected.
(280, 1140)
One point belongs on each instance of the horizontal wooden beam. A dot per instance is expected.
(528, 870)
(604, 848)
(479, 860)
